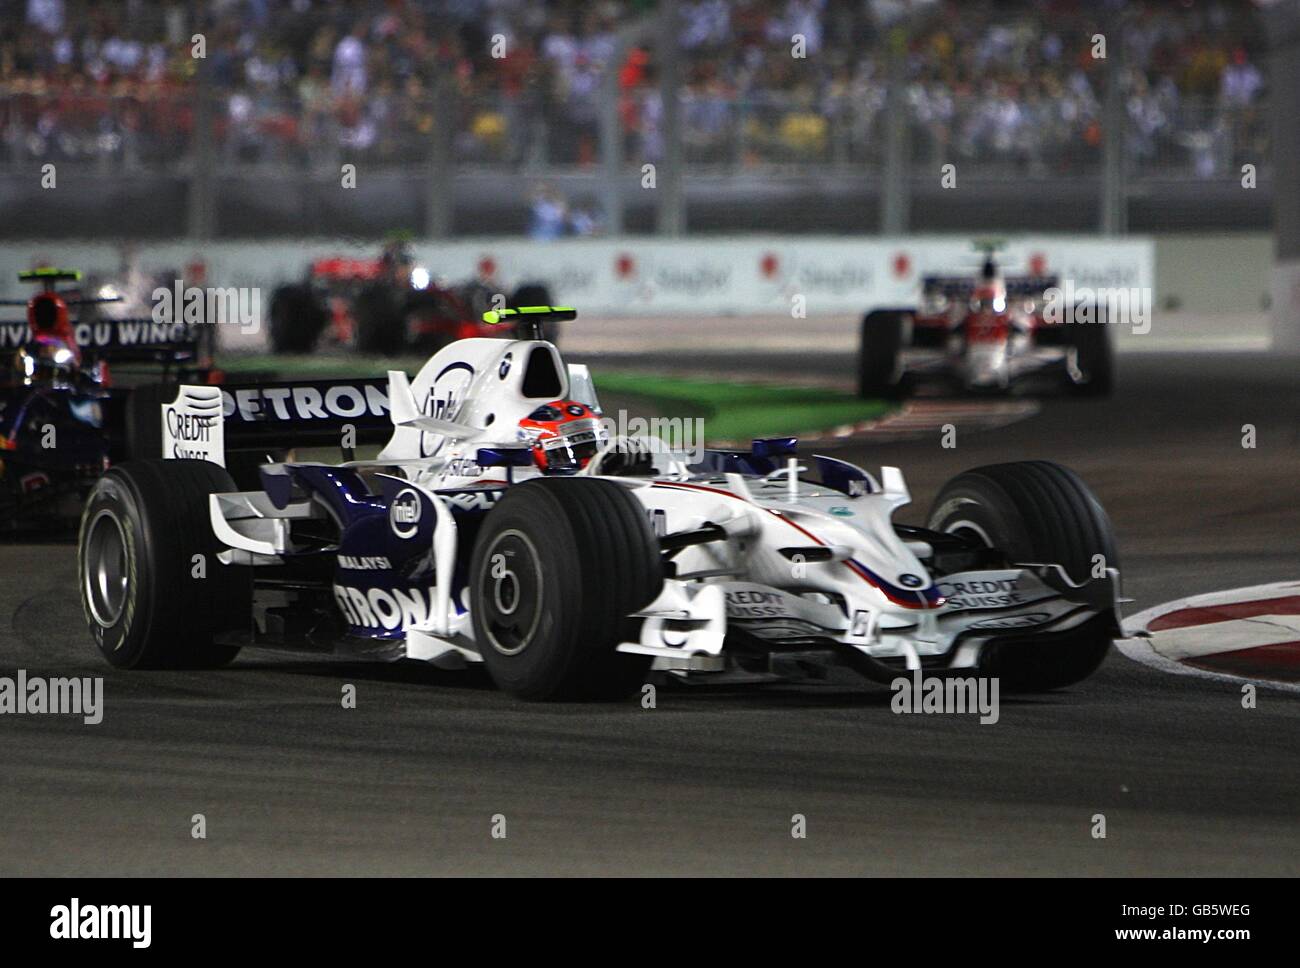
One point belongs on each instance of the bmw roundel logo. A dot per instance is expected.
(911, 581)
(504, 368)
(404, 513)
(575, 410)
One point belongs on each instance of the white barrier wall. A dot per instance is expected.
(629, 276)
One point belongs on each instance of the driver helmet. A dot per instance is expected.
(564, 436)
(397, 254)
(398, 261)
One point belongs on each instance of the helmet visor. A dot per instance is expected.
(577, 443)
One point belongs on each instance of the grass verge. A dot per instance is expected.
(742, 411)
(731, 411)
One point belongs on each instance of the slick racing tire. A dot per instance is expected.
(152, 589)
(380, 321)
(1095, 358)
(1035, 512)
(878, 348)
(530, 294)
(297, 319)
(559, 565)
(143, 422)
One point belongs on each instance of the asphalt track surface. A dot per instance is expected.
(409, 781)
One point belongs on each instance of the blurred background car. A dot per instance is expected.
(64, 415)
(985, 329)
(385, 306)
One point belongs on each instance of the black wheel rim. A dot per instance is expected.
(971, 532)
(510, 592)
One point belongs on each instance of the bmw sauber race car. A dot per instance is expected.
(62, 418)
(984, 332)
(503, 524)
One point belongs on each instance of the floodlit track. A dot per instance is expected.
(409, 781)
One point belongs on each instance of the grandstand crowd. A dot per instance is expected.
(1015, 84)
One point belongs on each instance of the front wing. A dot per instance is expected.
(690, 627)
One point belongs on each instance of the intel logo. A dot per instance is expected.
(404, 513)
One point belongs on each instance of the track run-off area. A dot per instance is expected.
(1190, 780)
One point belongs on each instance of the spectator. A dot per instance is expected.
(349, 73)
(1011, 83)
(550, 215)
(46, 16)
(1241, 81)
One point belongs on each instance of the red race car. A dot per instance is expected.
(384, 306)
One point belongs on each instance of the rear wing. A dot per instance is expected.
(49, 275)
(963, 287)
(208, 422)
(950, 287)
(1024, 287)
(117, 338)
(529, 319)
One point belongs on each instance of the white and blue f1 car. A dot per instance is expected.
(502, 524)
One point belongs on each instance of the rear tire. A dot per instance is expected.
(149, 601)
(380, 321)
(535, 294)
(878, 348)
(1040, 512)
(1096, 359)
(530, 294)
(143, 419)
(297, 319)
(558, 567)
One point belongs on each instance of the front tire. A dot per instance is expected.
(878, 348)
(1037, 512)
(152, 589)
(558, 567)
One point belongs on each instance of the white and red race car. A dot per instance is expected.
(986, 331)
(503, 524)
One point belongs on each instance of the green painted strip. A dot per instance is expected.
(742, 411)
(731, 411)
